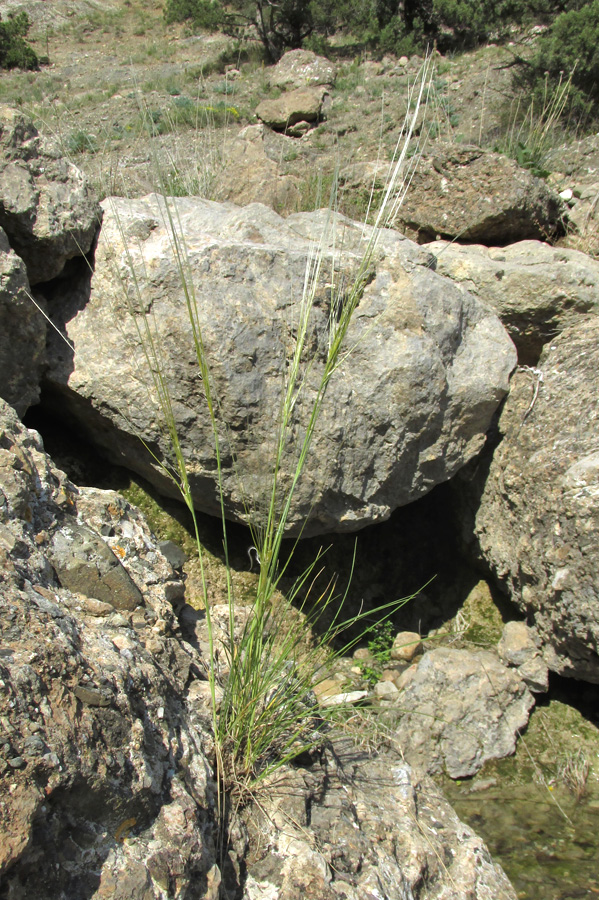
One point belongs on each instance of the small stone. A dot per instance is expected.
(96, 607)
(200, 692)
(385, 690)
(535, 673)
(173, 553)
(299, 129)
(483, 784)
(389, 675)
(51, 759)
(406, 645)
(327, 688)
(344, 699)
(517, 644)
(92, 696)
(17, 762)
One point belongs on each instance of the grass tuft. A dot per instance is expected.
(261, 671)
(534, 131)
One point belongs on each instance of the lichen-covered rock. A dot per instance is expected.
(410, 404)
(536, 290)
(47, 206)
(106, 790)
(365, 828)
(22, 333)
(459, 710)
(301, 68)
(537, 522)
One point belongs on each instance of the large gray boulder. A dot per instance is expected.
(538, 519)
(22, 333)
(47, 206)
(407, 407)
(536, 290)
(473, 195)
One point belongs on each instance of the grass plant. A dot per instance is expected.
(261, 674)
(533, 131)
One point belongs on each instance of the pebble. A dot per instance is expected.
(345, 698)
(385, 689)
(91, 696)
(406, 645)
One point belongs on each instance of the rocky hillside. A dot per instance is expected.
(471, 373)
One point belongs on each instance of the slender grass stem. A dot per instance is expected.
(267, 712)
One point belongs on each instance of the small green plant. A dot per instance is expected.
(381, 642)
(224, 87)
(349, 78)
(81, 142)
(379, 645)
(15, 52)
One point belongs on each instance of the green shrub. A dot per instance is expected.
(15, 52)
(200, 14)
(571, 45)
(278, 24)
(407, 27)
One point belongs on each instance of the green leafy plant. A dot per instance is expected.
(381, 642)
(379, 645)
(261, 670)
(15, 52)
(207, 14)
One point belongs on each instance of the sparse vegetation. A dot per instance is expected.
(81, 142)
(531, 136)
(379, 645)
